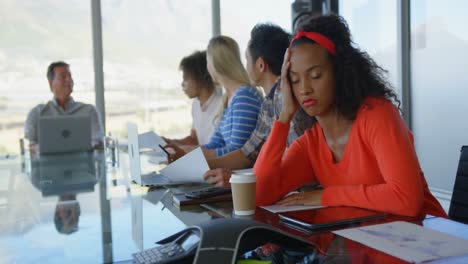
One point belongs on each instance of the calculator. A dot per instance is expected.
(181, 249)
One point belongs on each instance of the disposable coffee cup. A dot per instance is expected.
(243, 193)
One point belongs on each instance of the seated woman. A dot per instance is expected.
(198, 85)
(240, 104)
(360, 150)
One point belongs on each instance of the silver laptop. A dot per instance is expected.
(58, 134)
(150, 179)
(64, 174)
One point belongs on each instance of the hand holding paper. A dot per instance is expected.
(190, 167)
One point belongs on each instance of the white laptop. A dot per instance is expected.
(150, 179)
(58, 134)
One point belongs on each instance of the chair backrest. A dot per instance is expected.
(459, 205)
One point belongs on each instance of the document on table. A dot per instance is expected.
(190, 167)
(289, 208)
(450, 227)
(407, 241)
(150, 140)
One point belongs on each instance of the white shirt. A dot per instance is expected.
(71, 108)
(203, 116)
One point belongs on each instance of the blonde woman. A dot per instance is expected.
(241, 102)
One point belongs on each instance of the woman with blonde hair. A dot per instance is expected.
(240, 104)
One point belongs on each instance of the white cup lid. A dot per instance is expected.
(243, 178)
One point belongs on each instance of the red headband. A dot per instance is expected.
(323, 41)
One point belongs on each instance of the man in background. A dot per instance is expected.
(62, 104)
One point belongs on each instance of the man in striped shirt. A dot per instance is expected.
(264, 57)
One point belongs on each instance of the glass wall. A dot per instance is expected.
(439, 63)
(143, 44)
(373, 25)
(240, 16)
(33, 34)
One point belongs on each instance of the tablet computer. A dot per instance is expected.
(328, 217)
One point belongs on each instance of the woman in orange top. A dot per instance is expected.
(360, 150)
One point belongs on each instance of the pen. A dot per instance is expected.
(165, 151)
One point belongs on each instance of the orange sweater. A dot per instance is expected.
(379, 169)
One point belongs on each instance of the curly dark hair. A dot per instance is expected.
(194, 65)
(357, 75)
(269, 41)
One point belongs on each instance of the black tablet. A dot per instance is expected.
(328, 217)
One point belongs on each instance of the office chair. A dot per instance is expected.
(459, 204)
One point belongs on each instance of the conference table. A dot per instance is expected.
(84, 208)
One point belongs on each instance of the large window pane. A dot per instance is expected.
(373, 24)
(439, 39)
(33, 34)
(240, 16)
(144, 42)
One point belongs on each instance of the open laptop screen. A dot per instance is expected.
(58, 134)
(134, 152)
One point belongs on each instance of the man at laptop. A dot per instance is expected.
(62, 104)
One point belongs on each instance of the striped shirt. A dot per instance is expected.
(238, 121)
(270, 111)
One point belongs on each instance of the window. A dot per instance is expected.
(439, 40)
(239, 17)
(143, 44)
(373, 25)
(34, 34)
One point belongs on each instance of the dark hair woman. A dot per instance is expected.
(360, 149)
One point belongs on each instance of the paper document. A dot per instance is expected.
(453, 228)
(190, 167)
(150, 140)
(289, 208)
(406, 241)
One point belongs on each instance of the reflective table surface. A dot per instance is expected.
(84, 208)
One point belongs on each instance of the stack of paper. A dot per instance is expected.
(407, 241)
